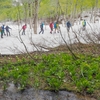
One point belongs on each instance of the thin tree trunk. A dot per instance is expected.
(36, 16)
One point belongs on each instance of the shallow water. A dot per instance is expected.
(12, 93)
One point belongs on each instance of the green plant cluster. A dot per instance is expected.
(54, 72)
(85, 74)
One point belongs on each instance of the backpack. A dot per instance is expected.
(41, 25)
(84, 23)
(55, 25)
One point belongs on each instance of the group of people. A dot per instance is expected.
(6, 28)
(55, 26)
(2, 30)
(52, 26)
(68, 24)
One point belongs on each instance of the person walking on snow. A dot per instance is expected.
(51, 27)
(84, 24)
(55, 26)
(41, 27)
(1, 31)
(58, 27)
(24, 28)
(7, 30)
(68, 25)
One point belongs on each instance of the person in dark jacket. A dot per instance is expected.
(68, 25)
(7, 30)
(41, 27)
(1, 31)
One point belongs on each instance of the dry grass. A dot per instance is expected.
(93, 49)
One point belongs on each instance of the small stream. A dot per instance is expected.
(12, 93)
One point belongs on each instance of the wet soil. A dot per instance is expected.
(31, 94)
(12, 93)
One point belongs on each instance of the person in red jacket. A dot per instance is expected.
(24, 28)
(51, 27)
